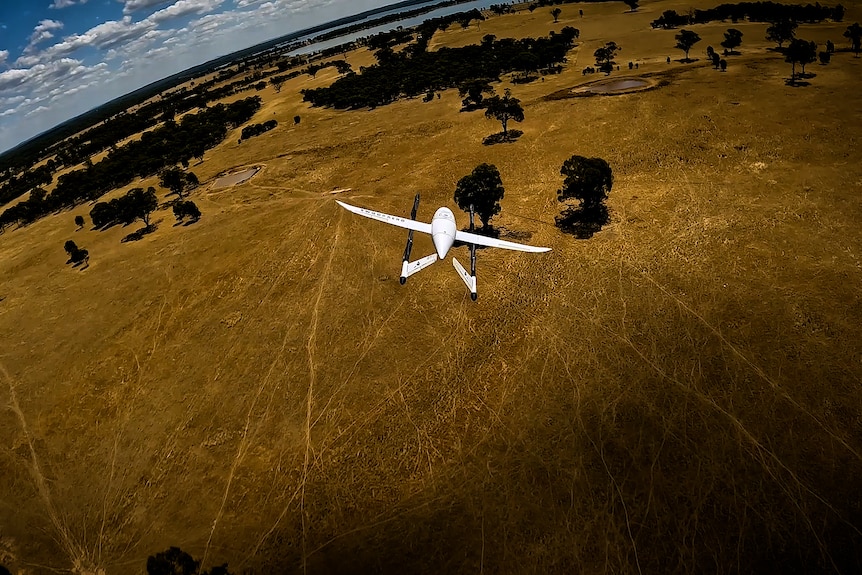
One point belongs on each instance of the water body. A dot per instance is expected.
(406, 23)
(617, 85)
(234, 179)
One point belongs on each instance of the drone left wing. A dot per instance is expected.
(389, 219)
(469, 238)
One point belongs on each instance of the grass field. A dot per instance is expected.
(679, 393)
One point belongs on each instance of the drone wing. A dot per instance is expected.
(469, 238)
(386, 218)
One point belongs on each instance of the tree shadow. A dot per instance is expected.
(472, 107)
(795, 83)
(583, 223)
(139, 234)
(502, 138)
(489, 232)
(524, 79)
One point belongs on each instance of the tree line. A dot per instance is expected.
(167, 145)
(753, 11)
(412, 73)
(253, 130)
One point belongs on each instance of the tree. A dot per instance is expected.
(800, 52)
(277, 82)
(70, 247)
(79, 256)
(174, 561)
(556, 14)
(79, 221)
(177, 181)
(183, 209)
(732, 39)
(723, 64)
(482, 189)
(605, 56)
(504, 109)
(781, 31)
(474, 90)
(825, 56)
(587, 179)
(138, 204)
(854, 34)
(633, 4)
(685, 40)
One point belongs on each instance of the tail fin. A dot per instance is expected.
(410, 268)
(469, 280)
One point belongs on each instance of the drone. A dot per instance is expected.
(444, 234)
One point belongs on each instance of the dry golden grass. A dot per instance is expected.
(680, 393)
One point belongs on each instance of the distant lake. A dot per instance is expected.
(406, 23)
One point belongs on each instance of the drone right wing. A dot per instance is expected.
(469, 238)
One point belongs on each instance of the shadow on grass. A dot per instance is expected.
(139, 234)
(186, 222)
(583, 223)
(795, 83)
(502, 137)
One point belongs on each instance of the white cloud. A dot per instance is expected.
(184, 8)
(42, 32)
(4, 55)
(135, 5)
(60, 4)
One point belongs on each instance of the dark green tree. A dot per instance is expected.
(556, 14)
(800, 52)
(504, 109)
(182, 209)
(483, 189)
(79, 221)
(685, 40)
(474, 91)
(139, 204)
(854, 34)
(605, 56)
(79, 256)
(825, 56)
(588, 180)
(174, 561)
(70, 247)
(277, 82)
(633, 4)
(177, 181)
(732, 40)
(781, 31)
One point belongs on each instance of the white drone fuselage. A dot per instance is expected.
(443, 231)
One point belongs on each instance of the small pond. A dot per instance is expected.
(234, 179)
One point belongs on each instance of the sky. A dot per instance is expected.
(60, 58)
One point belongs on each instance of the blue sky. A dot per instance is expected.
(59, 58)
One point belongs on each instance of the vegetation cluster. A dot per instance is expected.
(753, 11)
(412, 74)
(172, 143)
(253, 130)
(136, 204)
